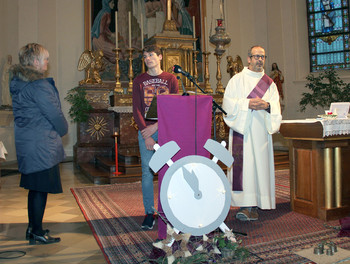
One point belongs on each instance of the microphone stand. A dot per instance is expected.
(185, 93)
(215, 104)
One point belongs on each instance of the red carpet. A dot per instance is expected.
(115, 213)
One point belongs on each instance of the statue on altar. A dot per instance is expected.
(234, 66)
(277, 76)
(5, 81)
(91, 62)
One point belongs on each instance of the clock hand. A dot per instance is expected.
(192, 180)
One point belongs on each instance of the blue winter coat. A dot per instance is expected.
(39, 121)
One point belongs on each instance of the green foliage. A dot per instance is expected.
(79, 111)
(325, 88)
(208, 255)
(223, 242)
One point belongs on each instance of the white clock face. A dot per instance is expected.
(195, 195)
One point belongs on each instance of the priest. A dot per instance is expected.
(251, 101)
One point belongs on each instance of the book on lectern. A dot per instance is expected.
(152, 110)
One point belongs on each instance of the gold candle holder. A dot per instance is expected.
(143, 65)
(186, 55)
(190, 66)
(195, 70)
(143, 68)
(118, 86)
(219, 86)
(207, 87)
(131, 72)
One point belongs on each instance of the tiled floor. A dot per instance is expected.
(62, 216)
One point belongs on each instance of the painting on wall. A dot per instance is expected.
(100, 28)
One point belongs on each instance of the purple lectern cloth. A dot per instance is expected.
(176, 122)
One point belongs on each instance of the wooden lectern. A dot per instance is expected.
(319, 170)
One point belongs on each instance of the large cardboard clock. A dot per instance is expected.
(195, 193)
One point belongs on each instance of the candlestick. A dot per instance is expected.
(129, 30)
(116, 29)
(141, 32)
(219, 87)
(117, 172)
(195, 72)
(207, 85)
(194, 32)
(131, 72)
(118, 86)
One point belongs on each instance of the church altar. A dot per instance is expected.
(319, 150)
(112, 115)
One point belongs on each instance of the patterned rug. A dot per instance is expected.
(115, 213)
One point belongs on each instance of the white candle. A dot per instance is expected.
(141, 31)
(168, 9)
(129, 30)
(194, 31)
(205, 34)
(116, 29)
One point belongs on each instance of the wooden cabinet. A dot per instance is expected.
(319, 171)
(95, 136)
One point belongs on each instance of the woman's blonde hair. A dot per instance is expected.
(30, 52)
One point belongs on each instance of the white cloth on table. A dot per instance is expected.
(331, 126)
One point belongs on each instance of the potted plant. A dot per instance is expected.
(325, 89)
(230, 249)
(79, 111)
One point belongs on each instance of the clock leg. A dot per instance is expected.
(224, 228)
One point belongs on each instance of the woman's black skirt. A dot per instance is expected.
(43, 181)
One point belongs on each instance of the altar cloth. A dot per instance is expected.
(331, 126)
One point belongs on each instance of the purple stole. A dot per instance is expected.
(237, 139)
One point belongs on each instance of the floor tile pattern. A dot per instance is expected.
(62, 216)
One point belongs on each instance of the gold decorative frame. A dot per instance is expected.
(199, 4)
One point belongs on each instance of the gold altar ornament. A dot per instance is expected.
(234, 66)
(97, 127)
(91, 62)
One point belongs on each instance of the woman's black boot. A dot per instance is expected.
(29, 232)
(44, 239)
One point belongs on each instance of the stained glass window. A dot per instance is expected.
(328, 22)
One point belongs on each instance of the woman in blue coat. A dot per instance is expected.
(39, 126)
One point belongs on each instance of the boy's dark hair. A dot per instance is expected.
(152, 48)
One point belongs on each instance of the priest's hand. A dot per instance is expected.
(258, 104)
(149, 143)
(149, 130)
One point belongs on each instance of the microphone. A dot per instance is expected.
(177, 69)
(185, 93)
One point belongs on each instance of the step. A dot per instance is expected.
(129, 156)
(102, 171)
(96, 175)
(99, 175)
(109, 164)
(281, 159)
